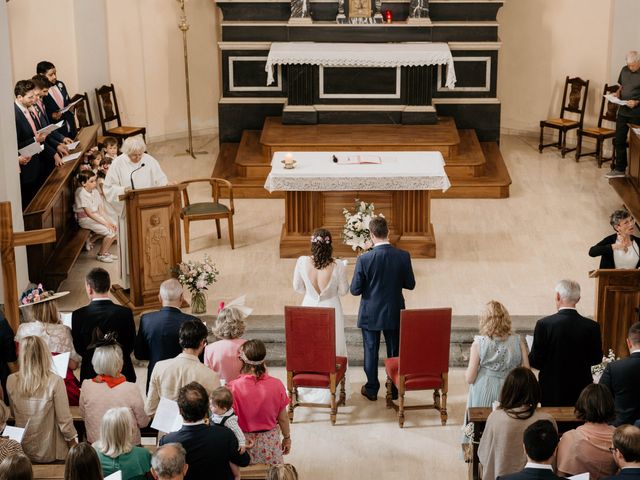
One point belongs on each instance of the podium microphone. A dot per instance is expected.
(131, 176)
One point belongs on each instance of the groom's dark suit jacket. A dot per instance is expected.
(380, 276)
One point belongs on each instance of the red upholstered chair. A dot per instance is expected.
(423, 363)
(310, 338)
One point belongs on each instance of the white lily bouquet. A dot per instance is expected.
(197, 276)
(597, 370)
(356, 227)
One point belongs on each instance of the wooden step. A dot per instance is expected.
(629, 193)
(442, 137)
(493, 184)
(225, 163)
(468, 160)
(251, 161)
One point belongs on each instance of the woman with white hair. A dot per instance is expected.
(116, 450)
(110, 389)
(132, 169)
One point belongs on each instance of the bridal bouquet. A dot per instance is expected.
(597, 370)
(356, 227)
(197, 276)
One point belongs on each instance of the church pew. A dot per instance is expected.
(52, 207)
(628, 188)
(564, 416)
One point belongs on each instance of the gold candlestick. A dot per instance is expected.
(184, 27)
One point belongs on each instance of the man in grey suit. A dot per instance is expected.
(380, 276)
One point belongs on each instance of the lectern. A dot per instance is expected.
(154, 243)
(617, 297)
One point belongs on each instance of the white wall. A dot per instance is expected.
(625, 34)
(9, 170)
(543, 42)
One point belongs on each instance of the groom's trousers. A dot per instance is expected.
(371, 341)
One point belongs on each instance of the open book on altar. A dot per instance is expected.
(358, 159)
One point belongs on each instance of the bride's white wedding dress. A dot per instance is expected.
(329, 297)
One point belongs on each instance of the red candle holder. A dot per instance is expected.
(388, 16)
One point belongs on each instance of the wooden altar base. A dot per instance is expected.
(476, 169)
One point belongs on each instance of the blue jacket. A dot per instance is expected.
(380, 276)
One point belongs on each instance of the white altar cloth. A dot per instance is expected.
(316, 171)
(410, 54)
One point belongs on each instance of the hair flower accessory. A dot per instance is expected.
(243, 357)
(320, 239)
(237, 304)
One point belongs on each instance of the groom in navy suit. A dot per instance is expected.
(380, 276)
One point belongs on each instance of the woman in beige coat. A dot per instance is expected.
(39, 402)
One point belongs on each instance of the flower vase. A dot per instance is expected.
(198, 303)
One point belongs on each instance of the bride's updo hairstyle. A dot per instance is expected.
(321, 248)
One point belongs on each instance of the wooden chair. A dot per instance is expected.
(423, 363)
(214, 210)
(82, 110)
(310, 339)
(574, 100)
(109, 112)
(608, 112)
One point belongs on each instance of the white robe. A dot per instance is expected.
(117, 180)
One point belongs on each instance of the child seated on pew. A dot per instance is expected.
(110, 148)
(90, 212)
(223, 415)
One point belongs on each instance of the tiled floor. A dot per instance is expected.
(512, 250)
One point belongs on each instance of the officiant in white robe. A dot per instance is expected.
(132, 169)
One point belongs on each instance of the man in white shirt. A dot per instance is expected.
(169, 376)
(540, 444)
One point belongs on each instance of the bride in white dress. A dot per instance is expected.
(323, 281)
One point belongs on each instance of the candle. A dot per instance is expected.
(388, 16)
(288, 160)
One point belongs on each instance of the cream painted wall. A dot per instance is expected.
(31, 19)
(542, 42)
(625, 34)
(147, 66)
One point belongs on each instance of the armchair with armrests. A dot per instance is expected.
(213, 210)
(423, 363)
(311, 356)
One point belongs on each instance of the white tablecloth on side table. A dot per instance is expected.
(316, 171)
(410, 54)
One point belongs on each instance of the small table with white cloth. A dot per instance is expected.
(318, 189)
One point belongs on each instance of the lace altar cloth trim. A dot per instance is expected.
(322, 184)
(408, 54)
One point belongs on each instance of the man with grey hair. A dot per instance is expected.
(565, 345)
(629, 91)
(168, 462)
(158, 337)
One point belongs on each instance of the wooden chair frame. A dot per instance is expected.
(83, 105)
(112, 114)
(608, 112)
(573, 88)
(294, 401)
(439, 399)
(217, 184)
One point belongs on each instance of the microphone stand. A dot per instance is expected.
(131, 176)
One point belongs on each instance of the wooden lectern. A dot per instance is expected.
(154, 242)
(617, 297)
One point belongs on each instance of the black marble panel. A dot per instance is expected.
(256, 11)
(359, 117)
(452, 11)
(249, 75)
(488, 33)
(233, 118)
(360, 34)
(483, 117)
(255, 33)
(470, 74)
(358, 80)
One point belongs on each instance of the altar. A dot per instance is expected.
(319, 188)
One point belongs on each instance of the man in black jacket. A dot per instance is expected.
(565, 346)
(158, 336)
(623, 379)
(626, 452)
(209, 448)
(540, 443)
(102, 315)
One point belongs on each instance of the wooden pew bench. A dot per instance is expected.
(564, 417)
